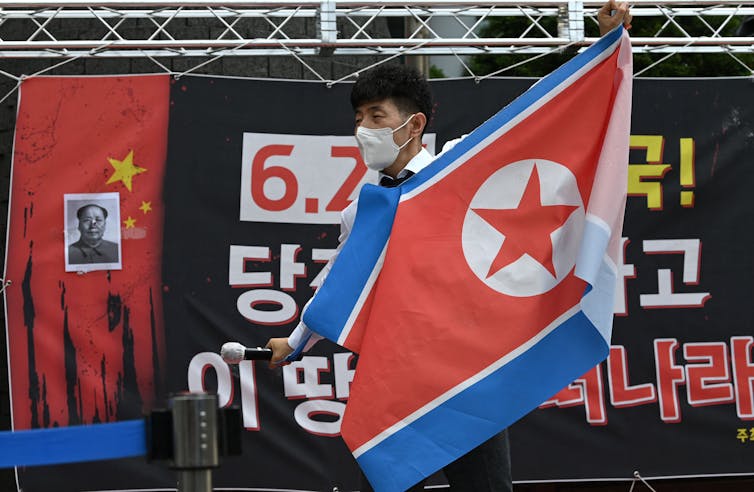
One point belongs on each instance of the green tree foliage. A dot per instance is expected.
(677, 65)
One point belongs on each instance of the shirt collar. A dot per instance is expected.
(416, 164)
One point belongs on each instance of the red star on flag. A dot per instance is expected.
(527, 228)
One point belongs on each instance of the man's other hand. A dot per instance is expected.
(612, 14)
(280, 350)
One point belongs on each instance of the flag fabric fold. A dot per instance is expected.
(483, 285)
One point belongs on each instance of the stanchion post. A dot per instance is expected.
(191, 435)
(195, 440)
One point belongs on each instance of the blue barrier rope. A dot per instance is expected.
(73, 444)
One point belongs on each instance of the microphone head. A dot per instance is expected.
(232, 352)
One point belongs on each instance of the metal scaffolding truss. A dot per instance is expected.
(145, 28)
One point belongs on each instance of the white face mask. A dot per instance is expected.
(377, 147)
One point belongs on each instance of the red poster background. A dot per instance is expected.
(85, 347)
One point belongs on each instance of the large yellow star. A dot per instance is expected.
(125, 170)
(146, 207)
(129, 222)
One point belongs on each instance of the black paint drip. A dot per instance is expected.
(45, 406)
(103, 374)
(71, 374)
(129, 403)
(114, 307)
(29, 316)
(96, 419)
(62, 295)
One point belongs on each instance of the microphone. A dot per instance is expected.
(234, 352)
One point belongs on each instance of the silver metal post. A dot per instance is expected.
(194, 481)
(195, 440)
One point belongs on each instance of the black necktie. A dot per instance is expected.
(389, 182)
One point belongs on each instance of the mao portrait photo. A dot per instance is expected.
(93, 231)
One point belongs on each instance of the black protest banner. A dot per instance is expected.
(257, 172)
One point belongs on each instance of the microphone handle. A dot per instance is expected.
(257, 354)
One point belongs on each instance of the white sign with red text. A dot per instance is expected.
(302, 179)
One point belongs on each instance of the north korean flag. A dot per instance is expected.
(484, 284)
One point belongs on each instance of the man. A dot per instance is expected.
(91, 247)
(392, 106)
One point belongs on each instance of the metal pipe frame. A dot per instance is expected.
(47, 29)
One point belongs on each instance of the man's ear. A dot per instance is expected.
(417, 124)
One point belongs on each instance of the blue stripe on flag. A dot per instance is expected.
(486, 408)
(297, 351)
(594, 242)
(73, 444)
(520, 104)
(340, 292)
(591, 266)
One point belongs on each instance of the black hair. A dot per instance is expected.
(404, 85)
(81, 209)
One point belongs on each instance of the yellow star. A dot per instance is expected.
(146, 207)
(125, 170)
(129, 222)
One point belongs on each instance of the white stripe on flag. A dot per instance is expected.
(606, 53)
(466, 384)
(363, 296)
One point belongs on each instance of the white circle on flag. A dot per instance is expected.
(504, 190)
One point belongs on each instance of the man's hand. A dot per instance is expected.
(612, 14)
(280, 350)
